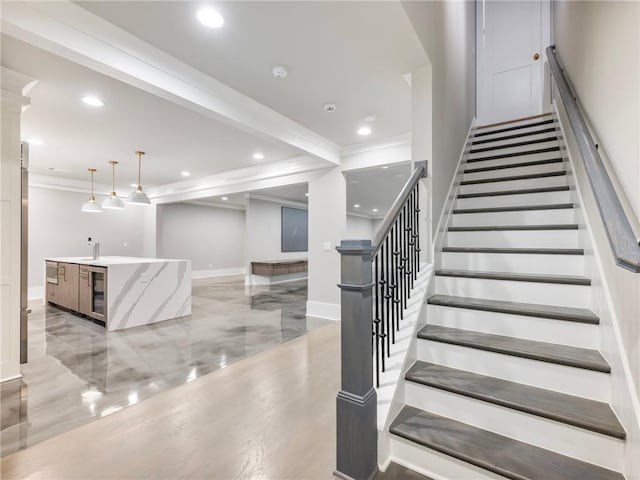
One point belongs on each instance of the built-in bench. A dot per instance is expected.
(278, 267)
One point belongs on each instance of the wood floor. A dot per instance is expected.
(270, 416)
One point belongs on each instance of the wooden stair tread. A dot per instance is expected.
(515, 135)
(561, 407)
(506, 166)
(535, 251)
(545, 352)
(500, 228)
(514, 154)
(516, 277)
(499, 454)
(511, 178)
(570, 314)
(513, 128)
(516, 144)
(521, 191)
(516, 208)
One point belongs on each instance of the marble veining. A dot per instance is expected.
(78, 371)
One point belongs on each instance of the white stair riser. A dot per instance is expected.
(548, 330)
(515, 263)
(514, 184)
(515, 200)
(526, 217)
(507, 172)
(513, 291)
(555, 436)
(508, 160)
(433, 464)
(491, 131)
(509, 150)
(526, 138)
(570, 380)
(514, 239)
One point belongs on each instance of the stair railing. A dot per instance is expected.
(622, 240)
(376, 281)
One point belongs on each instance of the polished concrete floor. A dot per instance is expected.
(270, 416)
(78, 372)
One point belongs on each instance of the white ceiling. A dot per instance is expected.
(352, 53)
(375, 187)
(77, 136)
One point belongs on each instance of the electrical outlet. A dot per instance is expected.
(143, 278)
(327, 246)
(125, 244)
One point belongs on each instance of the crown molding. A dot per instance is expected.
(396, 141)
(278, 200)
(227, 206)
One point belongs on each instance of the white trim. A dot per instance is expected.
(398, 140)
(8, 379)
(217, 272)
(278, 200)
(328, 311)
(78, 35)
(227, 206)
(258, 280)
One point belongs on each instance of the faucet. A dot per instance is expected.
(96, 248)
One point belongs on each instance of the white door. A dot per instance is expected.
(511, 37)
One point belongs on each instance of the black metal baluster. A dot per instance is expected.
(417, 209)
(387, 297)
(396, 252)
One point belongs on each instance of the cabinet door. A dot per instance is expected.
(68, 283)
(53, 293)
(84, 291)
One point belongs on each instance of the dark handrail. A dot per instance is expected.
(390, 217)
(623, 242)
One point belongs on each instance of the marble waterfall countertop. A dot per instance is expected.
(141, 291)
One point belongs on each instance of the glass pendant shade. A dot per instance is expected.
(113, 202)
(138, 197)
(91, 206)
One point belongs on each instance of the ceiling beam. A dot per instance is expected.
(70, 31)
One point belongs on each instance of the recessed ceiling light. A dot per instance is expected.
(354, 181)
(225, 198)
(364, 131)
(134, 185)
(258, 156)
(56, 169)
(93, 101)
(185, 174)
(34, 141)
(384, 167)
(357, 205)
(210, 18)
(280, 71)
(329, 107)
(306, 194)
(375, 210)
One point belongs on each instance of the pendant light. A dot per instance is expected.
(112, 202)
(91, 206)
(138, 197)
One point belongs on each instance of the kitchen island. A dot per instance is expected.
(120, 292)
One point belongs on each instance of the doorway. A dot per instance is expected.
(511, 38)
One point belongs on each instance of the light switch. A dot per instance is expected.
(327, 246)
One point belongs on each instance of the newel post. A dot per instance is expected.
(356, 404)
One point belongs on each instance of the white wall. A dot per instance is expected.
(599, 46)
(327, 224)
(263, 233)
(359, 228)
(447, 33)
(212, 238)
(57, 228)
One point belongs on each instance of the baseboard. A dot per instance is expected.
(328, 311)
(217, 272)
(263, 280)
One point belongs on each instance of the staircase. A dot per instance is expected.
(508, 380)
